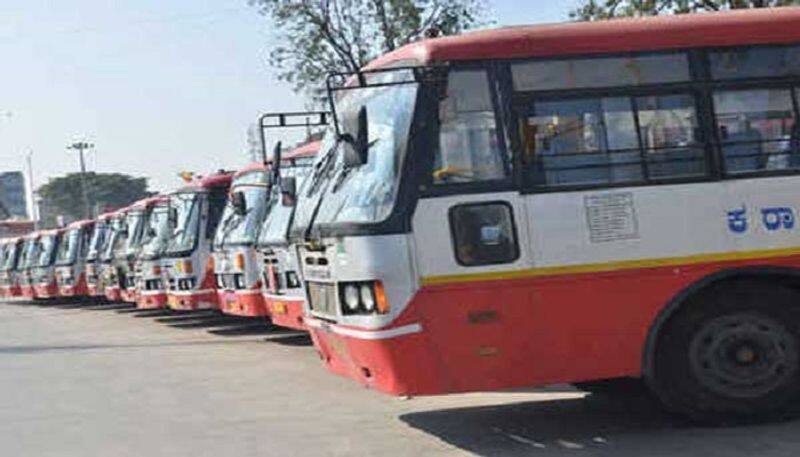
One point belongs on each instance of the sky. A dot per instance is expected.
(158, 87)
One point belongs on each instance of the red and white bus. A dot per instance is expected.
(114, 255)
(44, 274)
(195, 211)
(71, 259)
(137, 222)
(282, 288)
(236, 262)
(150, 282)
(27, 264)
(101, 237)
(9, 276)
(567, 203)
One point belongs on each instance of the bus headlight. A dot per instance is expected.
(351, 297)
(367, 297)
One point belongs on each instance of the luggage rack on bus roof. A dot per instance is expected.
(356, 80)
(307, 119)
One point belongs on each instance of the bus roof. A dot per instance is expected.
(32, 236)
(730, 28)
(81, 224)
(199, 184)
(255, 166)
(52, 232)
(149, 202)
(306, 150)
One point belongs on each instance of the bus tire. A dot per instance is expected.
(731, 354)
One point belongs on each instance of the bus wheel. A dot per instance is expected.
(733, 356)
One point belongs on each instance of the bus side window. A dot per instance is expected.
(757, 129)
(484, 234)
(469, 150)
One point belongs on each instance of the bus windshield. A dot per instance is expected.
(29, 254)
(242, 229)
(98, 241)
(48, 247)
(9, 255)
(68, 249)
(135, 222)
(116, 241)
(362, 194)
(275, 229)
(155, 235)
(187, 228)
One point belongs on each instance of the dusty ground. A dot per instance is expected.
(79, 380)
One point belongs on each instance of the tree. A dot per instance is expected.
(592, 10)
(62, 196)
(322, 36)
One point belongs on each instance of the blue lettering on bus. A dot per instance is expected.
(737, 220)
(779, 218)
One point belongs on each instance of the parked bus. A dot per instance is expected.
(150, 281)
(27, 263)
(44, 273)
(236, 261)
(137, 221)
(196, 211)
(9, 276)
(283, 289)
(114, 255)
(101, 237)
(71, 259)
(567, 204)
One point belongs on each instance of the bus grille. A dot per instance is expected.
(322, 298)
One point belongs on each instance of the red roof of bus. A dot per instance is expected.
(149, 202)
(255, 166)
(742, 27)
(81, 224)
(307, 150)
(52, 232)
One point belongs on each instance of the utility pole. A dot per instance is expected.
(31, 195)
(82, 146)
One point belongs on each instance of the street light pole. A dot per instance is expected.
(82, 146)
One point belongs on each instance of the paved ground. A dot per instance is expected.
(108, 381)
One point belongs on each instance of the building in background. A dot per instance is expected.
(13, 195)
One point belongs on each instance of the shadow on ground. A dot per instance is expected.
(596, 425)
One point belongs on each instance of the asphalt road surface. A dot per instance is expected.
(81, 380)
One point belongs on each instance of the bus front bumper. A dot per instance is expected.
(286, 312)
(192, 300)
(151, 299)
(243, 303)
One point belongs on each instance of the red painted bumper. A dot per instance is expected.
(47, 290)
(286, 312)
(245, 303)
(129, 295)
(113, 294)
(28, 292)
(10, 291)
(152, 300)
(78, 290)
(193, 300)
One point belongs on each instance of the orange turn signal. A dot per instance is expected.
(239, 262)
(380, 298)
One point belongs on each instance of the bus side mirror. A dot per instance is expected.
(239, 203)
(277, 158)
(289, 191)
(357, 147)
